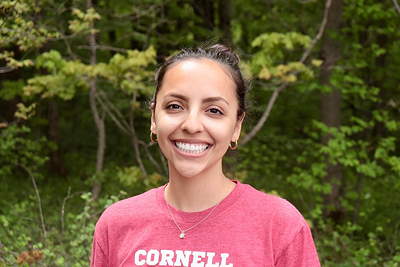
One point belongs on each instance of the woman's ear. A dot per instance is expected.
(153, 126)
(238, 128)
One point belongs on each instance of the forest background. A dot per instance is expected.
(322, 129)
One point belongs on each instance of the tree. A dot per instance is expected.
(331, 101)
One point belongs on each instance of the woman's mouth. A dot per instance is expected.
(191, 148)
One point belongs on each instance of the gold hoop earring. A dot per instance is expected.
(233, 145)
(153, 139)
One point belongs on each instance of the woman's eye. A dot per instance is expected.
(215, 111)
(174, 107)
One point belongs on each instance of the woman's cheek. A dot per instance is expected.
(221, 128)
(169, 123)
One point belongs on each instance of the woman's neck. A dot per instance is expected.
(197, 193)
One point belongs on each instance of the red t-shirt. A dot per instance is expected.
(248, 228)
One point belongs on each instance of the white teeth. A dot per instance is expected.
(191, 148)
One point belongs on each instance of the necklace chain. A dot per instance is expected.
(183, 231)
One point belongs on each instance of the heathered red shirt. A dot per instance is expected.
(248, 228)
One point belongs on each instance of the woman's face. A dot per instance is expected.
(195, 117)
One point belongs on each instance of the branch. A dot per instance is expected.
(105, 47)
(68, 196)
(99, 125)
(151, 158)
(321, 30)
(38, 199)
(163, 161)
(108, 107)
(114, 109)
(134, 139)
(6, 69)
(396, 6)
(135, 144)
(63, 209)
(122, 125)
(265, 114)
(145, 12)
(126, 128)
(282, 87)
(69, 49)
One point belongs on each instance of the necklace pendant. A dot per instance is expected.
(182, 235)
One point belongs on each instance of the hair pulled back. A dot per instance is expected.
(217, 52)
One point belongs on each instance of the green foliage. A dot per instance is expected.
(68, 239)
(128, 72)
(17, 26)
(271, 61)
(66, 77)
(11, 89)
(16, 149)
(18, 29)
(132, 176)
(346, 243)
(83, 21)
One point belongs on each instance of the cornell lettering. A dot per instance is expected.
(185, 258)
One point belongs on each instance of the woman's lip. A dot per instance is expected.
(191, 141)
(191, 155)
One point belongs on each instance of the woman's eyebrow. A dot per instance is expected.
(206, 100)
(215, 99)
(177, 96)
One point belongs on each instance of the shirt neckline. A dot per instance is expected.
(183, 217)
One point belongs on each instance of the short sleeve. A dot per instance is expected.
(300, 252)
(98, 258)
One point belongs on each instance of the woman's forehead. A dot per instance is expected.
(198, 74)
(200, 70)
(200, 64)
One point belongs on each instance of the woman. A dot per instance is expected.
(201, 217)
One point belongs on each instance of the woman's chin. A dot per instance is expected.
(188, 171)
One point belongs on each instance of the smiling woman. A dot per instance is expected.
(201, 217)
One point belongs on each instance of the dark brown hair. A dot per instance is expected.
(219, 53)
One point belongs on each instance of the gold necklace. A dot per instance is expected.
(183, 231)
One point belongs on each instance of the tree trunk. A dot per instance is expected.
(225, 14)
(98, 119)
(331, 103)
(205, 9)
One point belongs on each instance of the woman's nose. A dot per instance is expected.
(192, 123)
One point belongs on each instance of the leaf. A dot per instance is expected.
(264, 74)
(24, 112)
(316, 62)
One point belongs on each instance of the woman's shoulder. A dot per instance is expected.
(138, 205)
(272, 206)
